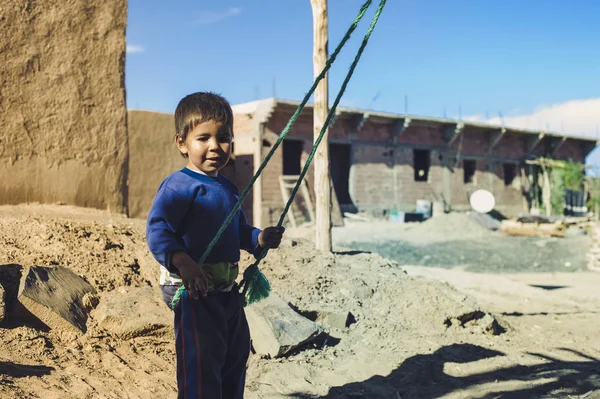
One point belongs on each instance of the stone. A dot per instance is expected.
(132, 313)
(363, 292)
(276, 329)
(336, 320)
(53, 296)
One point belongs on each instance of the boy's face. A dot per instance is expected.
(208, 147)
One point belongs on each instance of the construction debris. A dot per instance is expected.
(514, 228)
(544, 226)
(276, 329)
(53, 296)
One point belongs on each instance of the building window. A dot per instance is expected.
(509, 173)
(292, 155)
(421, 162)
(469, 167)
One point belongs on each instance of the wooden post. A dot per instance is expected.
(322, 182)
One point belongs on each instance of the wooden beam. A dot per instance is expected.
(399, 127)
(495, 138)
(335, 117)
(321, 107)
(533, 142)
(557, 146)
(451, 133)
(359, 122)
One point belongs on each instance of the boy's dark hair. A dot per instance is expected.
(201, 107)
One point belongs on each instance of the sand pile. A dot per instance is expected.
(390, 311)
(446, 227)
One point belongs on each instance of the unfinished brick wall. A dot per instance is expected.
(510, 146)
(62, 103)
(571, 150)
(272, 205)
(409, 190)
(371, 177)
(382, 174)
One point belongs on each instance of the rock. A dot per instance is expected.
(276, 329)
(363, 292)
(133, 313)
(478, 321)
(53, 295)
(335, 319)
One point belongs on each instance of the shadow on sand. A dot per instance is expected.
(423, 376)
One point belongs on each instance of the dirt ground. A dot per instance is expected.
(415, 336)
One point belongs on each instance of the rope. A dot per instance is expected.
(254, 283)
(252, 274)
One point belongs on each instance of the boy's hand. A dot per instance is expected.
(271, 237)
(195, 279)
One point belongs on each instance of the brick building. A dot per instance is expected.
(384, 161)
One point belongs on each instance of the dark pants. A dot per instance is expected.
(212, 342)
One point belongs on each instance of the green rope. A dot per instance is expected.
(256, 285)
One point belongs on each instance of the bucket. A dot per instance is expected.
(397, 217)
(424, 208)
(438, 208)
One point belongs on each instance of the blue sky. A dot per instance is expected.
(527, 59)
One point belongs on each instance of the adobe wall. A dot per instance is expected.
(153, 155)
(62, 103)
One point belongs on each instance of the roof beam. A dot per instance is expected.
(360, 121)
(451, 133)
(399, 127)
(335, 116)
(557, 146)
(533, 142)
(495, 138)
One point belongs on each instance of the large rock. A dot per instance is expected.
(133, 313)
(54, 296)
(276, 329)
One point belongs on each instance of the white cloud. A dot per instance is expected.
(132, 48)
(211, 17)
(575, 117)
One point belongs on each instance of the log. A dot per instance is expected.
(513, 228)
(320, 111)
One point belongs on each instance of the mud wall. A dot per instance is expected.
(62, 103)
(153, 155)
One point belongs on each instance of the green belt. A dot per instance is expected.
(223, 275)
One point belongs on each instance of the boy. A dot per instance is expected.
(212, 339)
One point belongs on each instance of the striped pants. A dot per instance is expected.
(212, 342)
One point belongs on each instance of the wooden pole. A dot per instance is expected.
(322, 179)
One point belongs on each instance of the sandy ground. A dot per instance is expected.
(407, 341)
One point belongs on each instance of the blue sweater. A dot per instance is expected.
(188, 210)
